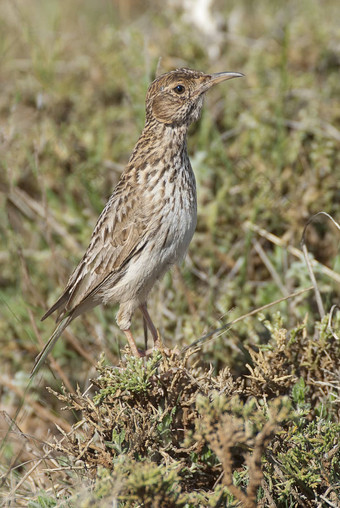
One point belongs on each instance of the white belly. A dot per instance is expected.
(179, 227)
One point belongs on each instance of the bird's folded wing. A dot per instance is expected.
(122, 230)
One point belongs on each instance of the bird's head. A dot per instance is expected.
(176, 98)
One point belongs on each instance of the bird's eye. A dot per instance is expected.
(179, 89)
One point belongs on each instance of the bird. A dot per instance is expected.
(149, 220)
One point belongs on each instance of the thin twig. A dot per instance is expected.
(270, 267)
(330, 317)
(308, 262)
(38, 408)
(292, 250)
(332, 505)
(24, 478)
(227, 326)
(75, 343)
(313, 279)
(34, 210)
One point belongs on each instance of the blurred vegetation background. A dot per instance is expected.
(265, 153)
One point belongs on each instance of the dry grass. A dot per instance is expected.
(266, 157)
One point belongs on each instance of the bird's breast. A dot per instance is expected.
(168, 204)
(178, 212)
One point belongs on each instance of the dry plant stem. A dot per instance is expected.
(158, 68)
(292, 250)
(41, 411)
(270, 267)
(248, 500)
(331, 312)
(222, 439)
(292, 491)
(75, 343)
(254, 461)
(311, 273)
(268, 498)
(313, 279)
(308, 263)
(24, 478)
(43, 459)
(329, 503)
(199, 342)
(34, 210)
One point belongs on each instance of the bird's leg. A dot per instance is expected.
(150, 324)
(145, 327)
(132, 343)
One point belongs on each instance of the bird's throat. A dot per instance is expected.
(160, 143)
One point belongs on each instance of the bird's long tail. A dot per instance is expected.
(40, 359)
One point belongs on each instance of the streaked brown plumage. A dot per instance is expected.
(148, 222)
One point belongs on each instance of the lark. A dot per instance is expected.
(150, 218)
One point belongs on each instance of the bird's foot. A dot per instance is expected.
(159, 346)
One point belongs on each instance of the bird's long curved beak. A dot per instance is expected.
(218, 77)
(222, 76)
